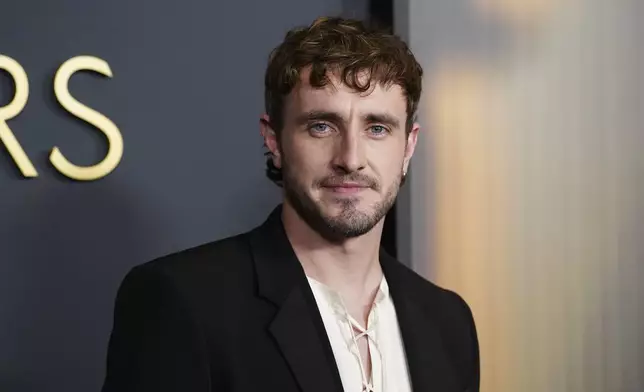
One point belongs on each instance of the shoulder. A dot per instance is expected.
(447, 305)
(218, 254)
(440, 302)
(204, 270)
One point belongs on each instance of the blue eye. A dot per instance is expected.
(378, 130)
(319, 128)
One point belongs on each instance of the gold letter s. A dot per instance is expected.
(104, 124)
(12, 110)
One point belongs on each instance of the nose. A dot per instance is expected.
(350, 153)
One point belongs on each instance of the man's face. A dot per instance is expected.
(343, 155)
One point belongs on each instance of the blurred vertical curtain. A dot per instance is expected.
(531, 187)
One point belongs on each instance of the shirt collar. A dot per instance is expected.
(335, 299)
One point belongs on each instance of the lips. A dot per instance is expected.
(346, 187)
(348, 184)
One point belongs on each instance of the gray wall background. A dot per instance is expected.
(186, 95)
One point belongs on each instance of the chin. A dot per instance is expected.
(340, 204)
(349, 209)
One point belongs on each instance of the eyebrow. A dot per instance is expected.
(382, 118)
(318, 115)
(321, 115)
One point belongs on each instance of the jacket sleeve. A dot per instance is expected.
(472, 347)
(155, 345)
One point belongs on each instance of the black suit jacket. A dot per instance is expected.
(238, 315)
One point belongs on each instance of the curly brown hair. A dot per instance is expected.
(347, 48)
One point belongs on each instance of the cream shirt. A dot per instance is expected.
(389, 371)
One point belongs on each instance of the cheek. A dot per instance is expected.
(388, 161)
(393, 174)
(311, 154)
(305, 161)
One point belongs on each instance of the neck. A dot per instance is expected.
(350, 267)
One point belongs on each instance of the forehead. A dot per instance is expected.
(338, 97)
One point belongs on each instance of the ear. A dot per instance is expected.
(412, 138)
(270, 140)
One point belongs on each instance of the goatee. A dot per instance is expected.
(350, 222)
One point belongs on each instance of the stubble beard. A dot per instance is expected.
(350, 223)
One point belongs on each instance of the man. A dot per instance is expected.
(307, 301)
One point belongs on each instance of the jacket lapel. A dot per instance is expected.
(427, 361)
(299, 331)
(297, 326)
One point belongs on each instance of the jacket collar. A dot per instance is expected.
(299, 330)
(429, 365)
(297, 326)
